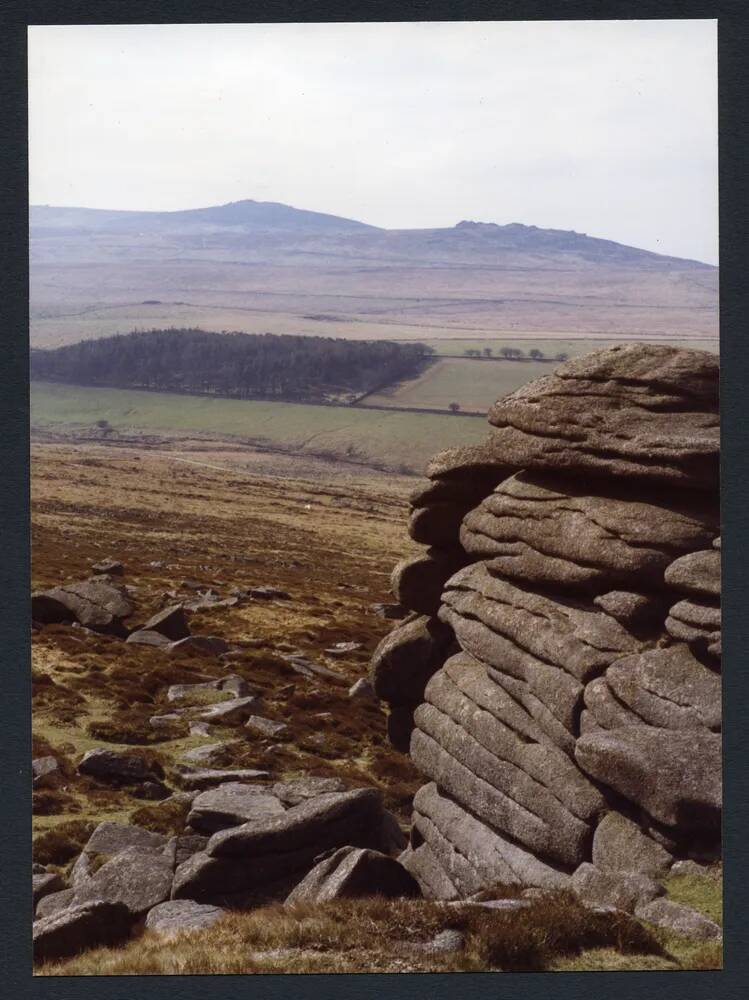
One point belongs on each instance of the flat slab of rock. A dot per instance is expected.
(355, 872)
(271, 854)
(231, 804)
(109, 566)
(343, 648)
(231, 684)
(114, 764)
(675, 775)
(143, 637)
(201, 645)
(668, 687)
(266, 727)
(203, 754)
(268, 594)
(681, 919)
(207, 777)
(77, 928)
(98, 606)
(178, 915)
(132, 877)
(233, 712)
(308, 668)
(112, 838)
(324, 821)
(298, 790)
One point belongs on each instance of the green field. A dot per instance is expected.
(474, 385)
(402, 441)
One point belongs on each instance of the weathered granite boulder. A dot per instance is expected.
(630, 411)
(622, 890)
(179, 915)
(112, 838)
(541, 532)
(99, 606)
(406, 659)
(354, 872)
(674, 775)
(697, 574)
(231, 804)
(76, 928)
(568, 719)
(134, 878)
(171, 622)
(114, 765)
(43, 885)
(679, 918)
(619, 845)
(418, 581)
(54, 903)
(269, 854)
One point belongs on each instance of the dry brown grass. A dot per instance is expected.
(374, 935)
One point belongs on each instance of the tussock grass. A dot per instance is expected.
(374, 935)
(63, 843)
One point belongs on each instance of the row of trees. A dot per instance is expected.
(513, 354)
(240, 365)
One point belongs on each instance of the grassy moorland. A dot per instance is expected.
(555, 933)
(395, 440)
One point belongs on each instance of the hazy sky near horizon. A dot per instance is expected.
(604, 127)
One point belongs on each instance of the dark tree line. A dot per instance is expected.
(241, 365)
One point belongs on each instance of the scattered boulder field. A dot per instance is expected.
(552, 684)
(557, 682)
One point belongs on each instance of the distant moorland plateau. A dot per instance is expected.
(263, 267)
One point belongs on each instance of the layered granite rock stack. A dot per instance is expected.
(558, 682)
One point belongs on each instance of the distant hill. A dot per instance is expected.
(294, 271)
(242, 216)
(233, 365)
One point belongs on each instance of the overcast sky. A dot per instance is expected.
(608, 127)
